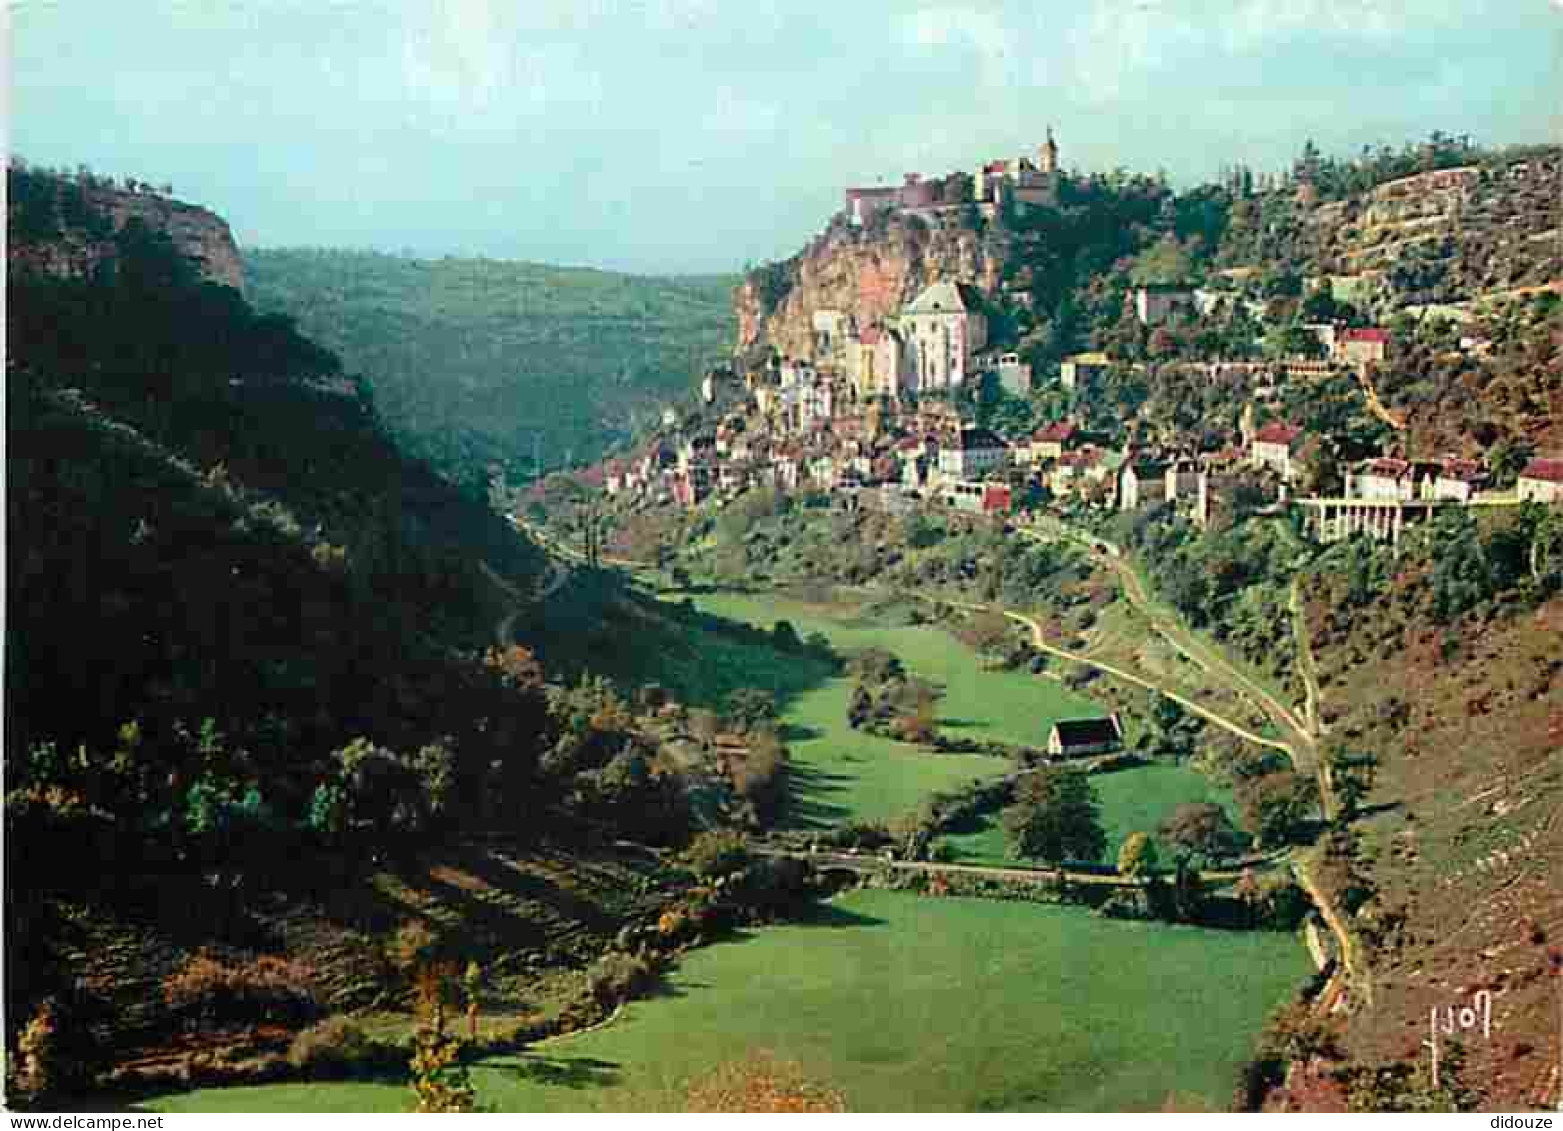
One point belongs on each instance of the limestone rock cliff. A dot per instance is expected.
(869, 273)
(74, 248)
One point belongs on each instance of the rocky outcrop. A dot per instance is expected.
(77, 249)
(869, 273)
(1447, 236)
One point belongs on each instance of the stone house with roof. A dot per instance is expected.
(1361, 346)
(1458, 480)
(942, 329)
(1158, 304)
(1051, 442)
(1081, 367)
(1392, 480)
(1542, 481)
(1274, 446)
(972, 455)
(875, 362)
(1079, 738)
(1142, 482)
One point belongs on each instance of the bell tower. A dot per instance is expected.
(1049, 154)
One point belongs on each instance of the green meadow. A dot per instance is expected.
(1133, 800)
(840, 774)
(906, 1003)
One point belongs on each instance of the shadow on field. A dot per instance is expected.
(808, 788)
(834, 917)
(959, 724)
(573, 1072)
(792, 732)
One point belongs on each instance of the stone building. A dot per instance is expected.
(1542, 481)
(942, 328)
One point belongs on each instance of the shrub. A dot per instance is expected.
(267, 988)
(338, 1046)
(719, 852)
(37, 1070)
(761, 777)
(865, 835)
(413, 945)
(617, 977)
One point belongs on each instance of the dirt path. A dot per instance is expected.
(557, 578)
(1375, 405)
(1357, 973)
(559, 549)
(1300, 752)
(1041, 644)
(1306, 667)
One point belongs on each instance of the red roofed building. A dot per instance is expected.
(1051, 442)
(1542, 481)
(1361, 345)
(1392, 480)
(1459, 479)
(1274, 446)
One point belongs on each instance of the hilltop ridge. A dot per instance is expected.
(63, 225)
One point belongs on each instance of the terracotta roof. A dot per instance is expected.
(1465, 470)
(1545, 470)
(1055, 433)
(1369, 334)
(1277, 433)
(1388, 468)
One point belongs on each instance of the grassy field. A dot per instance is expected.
(839, 774)
(907, 1004)
(1134, 800)
(844, 775)
(1001, 706)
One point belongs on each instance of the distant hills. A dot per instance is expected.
(478, 361)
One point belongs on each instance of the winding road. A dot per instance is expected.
(1301, 751)
(1039, 641)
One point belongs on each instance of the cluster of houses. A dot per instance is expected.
(870, 418)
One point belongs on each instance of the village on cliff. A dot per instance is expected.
(882, 415)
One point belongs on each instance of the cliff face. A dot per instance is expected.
(75, 248)
(867, 273)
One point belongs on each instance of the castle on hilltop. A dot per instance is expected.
(1003, 184)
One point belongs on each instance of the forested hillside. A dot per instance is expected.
(478, 361)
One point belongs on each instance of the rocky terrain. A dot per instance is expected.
(869, 273)
(1444, 237)
(75, 251)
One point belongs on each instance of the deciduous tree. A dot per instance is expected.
(1056, 817)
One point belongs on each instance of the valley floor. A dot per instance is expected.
(906, 1004)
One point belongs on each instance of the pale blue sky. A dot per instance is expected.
(675, 135)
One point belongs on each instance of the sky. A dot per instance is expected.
(701, 135)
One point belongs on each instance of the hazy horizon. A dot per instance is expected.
(690, 137)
